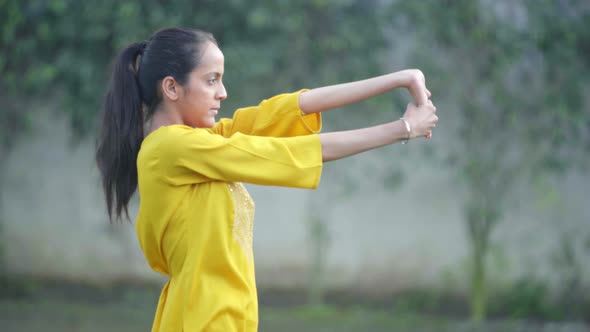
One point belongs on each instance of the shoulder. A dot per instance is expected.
(179, 140)
(170, 139)
(175, 134)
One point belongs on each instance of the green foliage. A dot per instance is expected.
(526, 298)
(16, 288)
(531, 69)
(568, 260)
(271, 46)
(523, 70)
(419, 301)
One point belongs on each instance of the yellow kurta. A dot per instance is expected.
(195, 218)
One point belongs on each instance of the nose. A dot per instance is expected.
(221, 92)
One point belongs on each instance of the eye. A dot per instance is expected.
(212, 80)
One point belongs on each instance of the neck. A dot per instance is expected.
(164, 117)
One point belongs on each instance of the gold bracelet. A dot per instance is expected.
(408, 129)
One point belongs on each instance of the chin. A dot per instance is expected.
(209, 124)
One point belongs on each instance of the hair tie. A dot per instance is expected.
(142, 46)
(139, 55)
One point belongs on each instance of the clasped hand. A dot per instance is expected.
(420, 114)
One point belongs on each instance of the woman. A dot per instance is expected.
(195, 218)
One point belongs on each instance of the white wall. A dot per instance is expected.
(55, 223)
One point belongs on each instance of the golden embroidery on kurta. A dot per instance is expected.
(243, 229)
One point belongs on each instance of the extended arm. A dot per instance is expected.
(340, 144)
(333, 96)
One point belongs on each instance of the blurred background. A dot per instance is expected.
(486, 227)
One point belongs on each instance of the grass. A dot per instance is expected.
(131, 309)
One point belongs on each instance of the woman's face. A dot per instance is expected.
(202, 94)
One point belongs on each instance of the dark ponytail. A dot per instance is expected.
(122, 132)
(133, 92)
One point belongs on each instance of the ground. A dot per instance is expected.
(131, 309)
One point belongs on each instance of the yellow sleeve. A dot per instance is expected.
(190, 156)
(279, 116)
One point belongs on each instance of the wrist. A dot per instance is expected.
(407, 128)
(397, 79)
(406, 78)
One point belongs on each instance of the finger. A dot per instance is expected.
(428, 93)
(431, 108)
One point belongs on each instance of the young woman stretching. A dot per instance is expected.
(195, 220)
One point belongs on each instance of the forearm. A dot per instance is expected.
(340, 144)
(333, 96)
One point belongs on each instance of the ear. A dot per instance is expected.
(170, 88)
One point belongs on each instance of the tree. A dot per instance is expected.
(519, 82)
